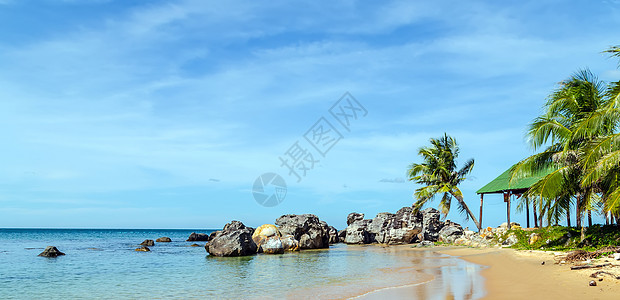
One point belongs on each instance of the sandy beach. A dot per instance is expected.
(514, 274)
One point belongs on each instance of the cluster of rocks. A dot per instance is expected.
(291, 233)
(488, 237)
(404, 227)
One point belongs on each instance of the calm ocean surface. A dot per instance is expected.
(102, 263)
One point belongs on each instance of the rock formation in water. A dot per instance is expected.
(234, 240)
(403, 227)
(198, 237)
(307, 229)
(268, 239)
(148, 243)
(51, 251)
(164, 239)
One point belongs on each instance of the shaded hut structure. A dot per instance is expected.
(514, 189)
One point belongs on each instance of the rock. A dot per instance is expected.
(450, 232)
(267, 230)
(333, 235)
(164, 239)
(510, 240)
(194, 245)
(425, 244)
(342, 234)
(617, 256)
(352, 217)
(378, 228)
(148, 243)
(267, 239)
(51, 251)
(143, 249)
(234, 240)
(214, 234)
(534, 237)
(430, 224)
(542, 263)
(307, 229)
(198, 237)
(289, 243)
(272, 245)
(357, 232)
(592, 283)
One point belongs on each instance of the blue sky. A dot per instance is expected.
(127, 114)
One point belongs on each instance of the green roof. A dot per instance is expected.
(502, 182)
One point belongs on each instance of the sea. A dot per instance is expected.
(103, 264)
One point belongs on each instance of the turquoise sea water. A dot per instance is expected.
(102, 263)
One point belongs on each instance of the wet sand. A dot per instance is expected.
(512, 274)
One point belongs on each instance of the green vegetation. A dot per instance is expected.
(439, 175)
(579, 134)
(560, 238)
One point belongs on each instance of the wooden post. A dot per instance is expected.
(507, 200)
(481, 200)
(527, 212)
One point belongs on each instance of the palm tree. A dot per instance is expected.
(439, 175)
(602, 156)
(565, 132)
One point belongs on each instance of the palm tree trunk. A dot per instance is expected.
(469, 212)
(578, 211)
(568, 217)
(589, 218)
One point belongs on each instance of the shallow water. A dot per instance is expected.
(102, 263)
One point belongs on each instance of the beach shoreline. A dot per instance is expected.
(516, 274)
(530, 274)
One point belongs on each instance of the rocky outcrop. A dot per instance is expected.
(234, 240)
(198, 237)
(431, 225)
(164, 239)
(289, 243)
(148, 243)
(51, 251)
(403, 227)
(357, 232)
(450, 232)
(332, 232)
(143, 249)
(272, 245)
(307, 229)
(267, 239)
(352, 217)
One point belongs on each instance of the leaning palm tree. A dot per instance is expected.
(564, 131)
(438, 174)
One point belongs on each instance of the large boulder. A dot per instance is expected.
(450, 232)
(164, 239)
(51, 251)
(333, 235)
(267, 233)
(148, 243)
(234, 240)
(341, 235)
(357, 232)
(272, 245)
(307, 229)
(289, 243)
(388, 228)
(198, 237)
(352, 217)
(431, 225)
